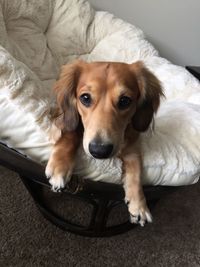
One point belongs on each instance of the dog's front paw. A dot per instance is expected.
(139, 212)
(58, 175)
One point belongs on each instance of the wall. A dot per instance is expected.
(173, 27)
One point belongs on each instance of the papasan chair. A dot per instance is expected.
(36, 38)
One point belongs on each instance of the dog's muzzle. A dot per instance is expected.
(100, 150)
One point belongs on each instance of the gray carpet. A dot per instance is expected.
(27, 239)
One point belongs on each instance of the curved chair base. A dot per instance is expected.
(102, 198)
(101, 209)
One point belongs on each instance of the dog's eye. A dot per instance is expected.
(124, 102)
(86, 100)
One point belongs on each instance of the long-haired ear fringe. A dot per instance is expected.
(150, 93)
(65, 90)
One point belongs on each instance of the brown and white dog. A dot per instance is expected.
(105, 105)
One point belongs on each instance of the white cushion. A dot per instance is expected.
(36, 38)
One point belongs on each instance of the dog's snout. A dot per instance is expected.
(100, 150)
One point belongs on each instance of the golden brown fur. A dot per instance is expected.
(105, 105)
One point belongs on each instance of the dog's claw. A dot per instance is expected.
(126, 201)
(57, 179)
(56, 189)
(134, 219)
(138, 220)
(139, 215)
(57, 183)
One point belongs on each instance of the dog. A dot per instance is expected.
(105, 105)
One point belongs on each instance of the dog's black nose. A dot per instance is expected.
(100, 150)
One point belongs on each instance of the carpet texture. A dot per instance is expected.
(27, 239)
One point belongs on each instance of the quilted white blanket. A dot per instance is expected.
(37, 37)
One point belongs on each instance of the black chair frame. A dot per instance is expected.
(102, 196)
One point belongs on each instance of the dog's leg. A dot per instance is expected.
(134, 196)
(61, 162)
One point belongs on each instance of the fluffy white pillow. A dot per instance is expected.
(36, 38)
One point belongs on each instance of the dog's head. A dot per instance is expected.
(106, 97)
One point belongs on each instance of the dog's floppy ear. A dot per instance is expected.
(150, 91)
(65, 90)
